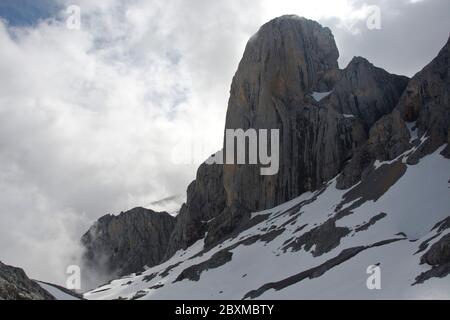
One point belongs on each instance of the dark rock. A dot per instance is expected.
(139, 294)
(205, 201)
(388, 138)
(373, 185)
(193, 272)
(325, 238)
(124, 244)
(437, 256)
(166, 272)
(15, 285)
(425, 244)
(372, 221)
(439, 253)
(355, 169)
(442, 225)
(149, 277)
(283, 64)
(366, 92)
(426, 101)
(157, 286)
(440, 271)
(230, 221)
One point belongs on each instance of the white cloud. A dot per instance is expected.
(89, 119)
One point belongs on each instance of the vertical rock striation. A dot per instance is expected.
(283, 64)
(120, 245)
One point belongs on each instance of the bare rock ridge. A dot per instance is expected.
(123, 244)
(15, 285)
(426, 102)
(366, 114)
(366, 92)
(424, 106)
(205, 200)
(298, 57)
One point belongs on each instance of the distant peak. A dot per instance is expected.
(286, 17)
(358, 61)
(289, 20)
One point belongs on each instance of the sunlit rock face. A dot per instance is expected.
(288, 60)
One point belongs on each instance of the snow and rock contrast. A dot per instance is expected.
(119, 245)
(363, 183)
(15, 285)
(320, 245)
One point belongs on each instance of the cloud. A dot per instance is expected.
(121, 112)
(27, 12)
(90, 119)
(411, 34)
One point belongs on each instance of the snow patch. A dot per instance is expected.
(413, 205)
(57, 293)
(320, 95)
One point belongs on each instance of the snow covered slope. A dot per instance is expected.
(58, 292)
(320, 245)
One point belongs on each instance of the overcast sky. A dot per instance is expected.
(101, 119)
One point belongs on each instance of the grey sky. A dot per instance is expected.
(96, 121)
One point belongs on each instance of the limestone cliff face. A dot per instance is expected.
(366, 92)
(283, 64)
(205, 200)
(120, 245)
(425, 105)
(426, 101)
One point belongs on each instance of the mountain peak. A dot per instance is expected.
(300, 52)
(291, 19)
(358, 61)
(324, 147)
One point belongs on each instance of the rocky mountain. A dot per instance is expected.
(288, 60)
(119, 245)
(363, 181)
(15, 285)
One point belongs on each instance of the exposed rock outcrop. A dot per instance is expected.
(15, 285)
(193, 272)
(438, 257)
(205, 200)
(439, 253)
(283, 64)
(388, 138)
(366, 92)
(425, 101)
(119, 245)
